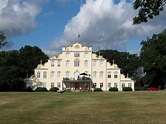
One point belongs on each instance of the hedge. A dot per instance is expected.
(113, 89)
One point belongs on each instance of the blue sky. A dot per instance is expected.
(51, 24)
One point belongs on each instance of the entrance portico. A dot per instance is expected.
(73, 84)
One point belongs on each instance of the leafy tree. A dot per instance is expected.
(16, 64)
(129, 63)
(153, 57)
(30, 57)
(147, 9)
(2, 39)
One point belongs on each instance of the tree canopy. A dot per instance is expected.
(15, 65)
(2, 39)
(153, 58)
(129, 63)
(147, 9)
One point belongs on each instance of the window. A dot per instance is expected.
(45, 74)
(86, 55)
(67, 85)
(58, 63)
(115, 85)
(101, 74)
(85, 84)
(59, 85)
(115, 75)
(85, 63)
(109, 85)
(76, 63)
(38, 74)
(38, 84)
(52, 74)
(109, 74)
(123, 85)
(101, 85)
(130, 85)
(67, 55)
(52, 84)
(94, 63)
(94, 85)
(58, 74)
(67, 74)
(44, 84)
(101, 63)
(76, 54)
(52, 63)
(67, 63)
(94, 74)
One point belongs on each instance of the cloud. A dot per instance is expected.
(104, 24)
(18, 17)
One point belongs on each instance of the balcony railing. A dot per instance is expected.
(80, 79)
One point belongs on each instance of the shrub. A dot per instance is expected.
(140, 88)
(54, 89)
(41, 89)
(113, 89)
(28, 89)
(98, 90)
(127, 89)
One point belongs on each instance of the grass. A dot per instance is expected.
(140, 107)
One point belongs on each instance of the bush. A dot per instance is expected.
(54, 89)
(41, 89)
(98, 90)
(127, 89)
(113, 89)
(140, 88)
(28, 89)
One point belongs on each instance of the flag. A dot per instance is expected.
(78, 35)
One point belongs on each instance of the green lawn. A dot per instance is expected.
(83, 107)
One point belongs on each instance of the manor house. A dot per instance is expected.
(77, 67)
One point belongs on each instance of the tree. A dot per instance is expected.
(2, 39)
(129, 63)
(147, 9)
(153, 58)
(30, 57)
(16, 64)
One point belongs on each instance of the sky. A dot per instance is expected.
(53, 24)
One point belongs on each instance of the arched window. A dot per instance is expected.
(115, 74)
(38, 74)
(85, 63)
(94, 63)
(86, 55)
(101, 74)
(76, 63)
(44, 74)
(58, 74)
(58, 63)
(52, 63)
(94, 74)
(52, 74)
(101, 63)
(67, 63)
(109, 74)
(67, 54)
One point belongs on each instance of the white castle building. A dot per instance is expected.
(77, 67)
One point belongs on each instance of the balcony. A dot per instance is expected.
(79, 79)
